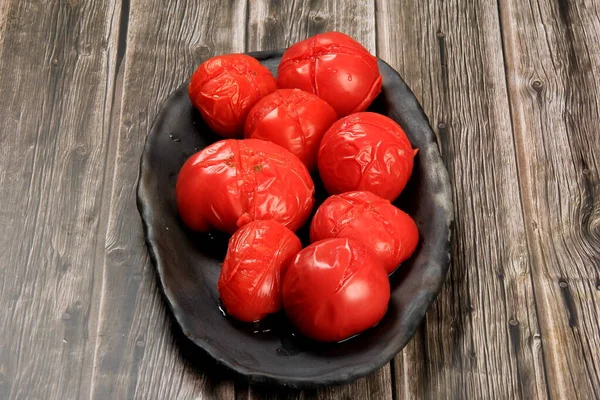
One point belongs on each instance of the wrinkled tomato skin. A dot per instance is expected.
(293, 119)
(224, 89)
(388, 231)
(366, 151)
(250, 280)
(335, 289)
(336, 68)
(233, 182)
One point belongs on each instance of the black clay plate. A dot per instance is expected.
(188, 263)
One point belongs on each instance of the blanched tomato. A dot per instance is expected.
(366, 151)
(294, 119)
(224, 89)
(336, 68)
(250, 281)
(335, 289)
(233, 182)
(368, 218)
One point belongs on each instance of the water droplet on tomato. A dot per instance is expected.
(349, 77)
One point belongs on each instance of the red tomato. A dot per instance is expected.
(294, 119)
(250, 281)
(335, 289)
(224, 89)
(368, 218)
(336, 68)
(366, 151)
(233, 182)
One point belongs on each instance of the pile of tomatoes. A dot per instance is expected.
(256, 185)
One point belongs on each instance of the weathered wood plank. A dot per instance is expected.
(56, 82)
(481, 339)
(553, 58)
(376, 386)
(408, 370)
(137, 355)
(275, 25)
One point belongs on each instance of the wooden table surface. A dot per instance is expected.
(511, 87)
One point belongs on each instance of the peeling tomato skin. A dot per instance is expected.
(293, 119)
(392, 234)
(250, 280)
(366, 151)
(224, 89)
(336, 68)
(335, 289)
(233, 182)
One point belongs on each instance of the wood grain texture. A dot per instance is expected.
(481, 338)
(408, 370)
(140, 353)
(57, 63)
(276, 25)
(553, 59)
(376, 386)
(80, 84)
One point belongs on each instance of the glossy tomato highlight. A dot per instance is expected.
(368, 218)
(366, 151)
(233, 182)
(293, 119)
(250, 281)
(336, 68)
(224, 89)
(334, 289)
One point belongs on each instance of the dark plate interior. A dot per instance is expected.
(188, 263)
